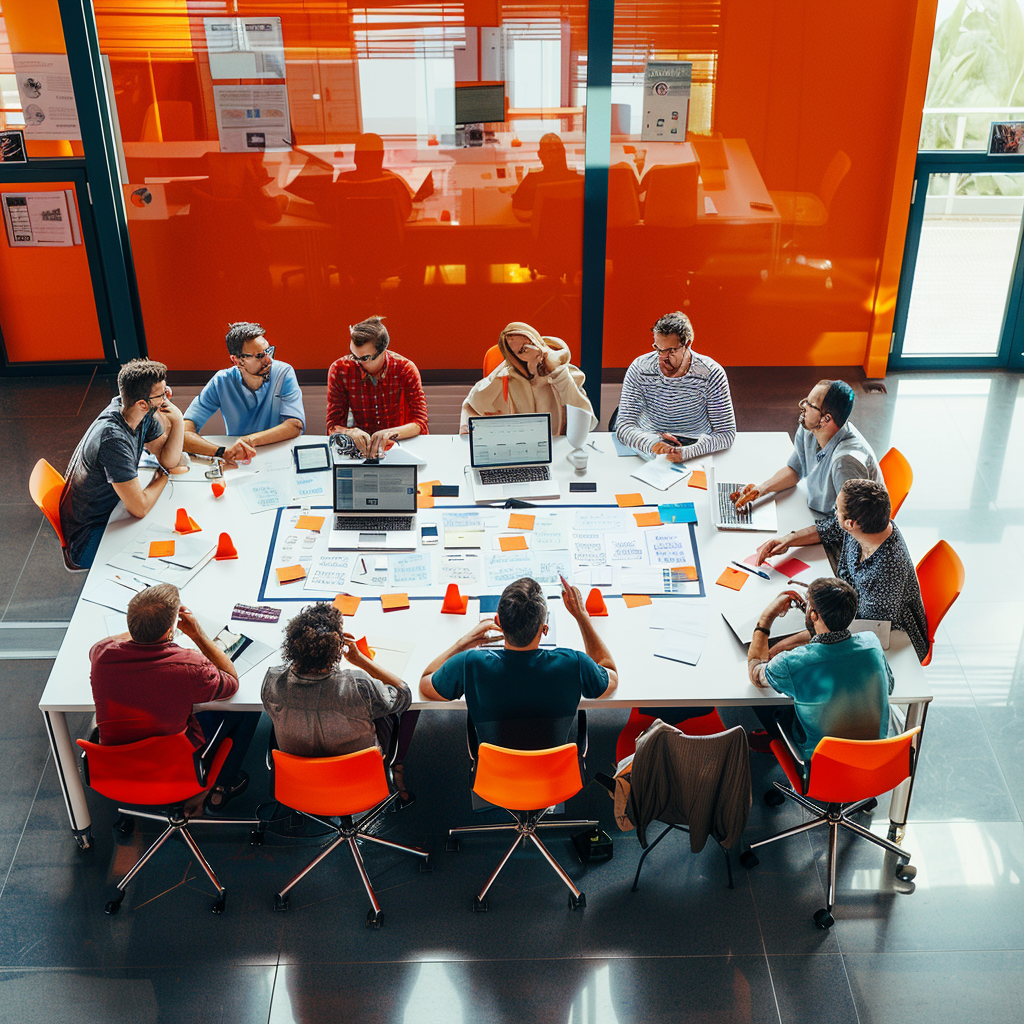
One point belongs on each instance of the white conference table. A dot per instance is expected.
(719, 678)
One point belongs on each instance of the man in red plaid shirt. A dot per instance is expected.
(381, 388)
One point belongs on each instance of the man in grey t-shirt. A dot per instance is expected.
(104, 468)
(828, 450)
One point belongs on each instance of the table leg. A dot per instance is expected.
(66, 761)
(899, 805)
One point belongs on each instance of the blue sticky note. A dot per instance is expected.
(622, 449)
(683, 512)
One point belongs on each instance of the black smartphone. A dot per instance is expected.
(586, 486)
(445, 491)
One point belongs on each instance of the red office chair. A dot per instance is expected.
(846, 776)
(898, 477)
(153, 779)
(941, 577)
(492, 360)
(706, 725)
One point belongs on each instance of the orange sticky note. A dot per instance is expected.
(513, 544)
(699, 479)
(636, 600)
(518, 521)
(161, 548)
(290, 573)
(733, 579)
(347, 604)
(689, 571)
(393, 602)
(424, 500)
(309, 523)
(647, 518)
(629, 500)
(427, 487)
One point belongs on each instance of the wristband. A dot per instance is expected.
(763, 629)
(166, 472)
(219, 453)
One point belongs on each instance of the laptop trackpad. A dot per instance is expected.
(515, 490)
(371, 539)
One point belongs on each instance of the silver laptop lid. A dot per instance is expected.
(522, 440)
(376, 488)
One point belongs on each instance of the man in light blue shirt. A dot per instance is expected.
(259, 399)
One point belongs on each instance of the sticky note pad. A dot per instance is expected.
(427, 487)
(518, 521)
(513, 544)
(628, 500)
(699, 479)
(291, 573)
(791, 567)
(424, 500)
(647, 518)
(636, 600)
(309, 523)
(733, 579)
(161, 548)
(347, 604)
(689, 571)
(394, 602)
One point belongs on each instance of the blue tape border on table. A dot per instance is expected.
(311, 598)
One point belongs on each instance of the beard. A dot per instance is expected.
(808, 624)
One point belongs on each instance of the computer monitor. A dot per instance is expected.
(480, 104)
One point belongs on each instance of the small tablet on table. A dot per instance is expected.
(311, 458)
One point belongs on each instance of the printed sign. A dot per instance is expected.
(666, 100)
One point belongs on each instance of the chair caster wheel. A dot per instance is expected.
(113, 906)
(823, 919)
(256, 837)
(451, 844)
(749, 859)
(906, 872)
(84, 839)
(480, 905)
(773, 798)
(218, 906)
(281, 902)
(124, 824)
(374, 918)
(425, 866)
(869, 806)
(577, 902)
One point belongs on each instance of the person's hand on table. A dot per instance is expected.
(188, 624)
(771, 548)
(361, 439)
(240, 451)
(378, 443)
(745, 495)
(482, 633)
(669, 447)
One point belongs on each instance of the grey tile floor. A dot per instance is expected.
(684, 947)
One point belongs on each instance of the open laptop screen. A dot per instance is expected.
(523, 440)
(359, 488)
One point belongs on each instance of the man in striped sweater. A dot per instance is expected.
(675, 401)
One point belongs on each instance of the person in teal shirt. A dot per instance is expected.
(839, 681)
(258, 397)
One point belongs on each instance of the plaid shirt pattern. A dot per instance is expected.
(396, 398)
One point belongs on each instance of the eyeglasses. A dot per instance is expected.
(667, 351)
(364, 359)
(158, 398)
(267, 353)
(805, 403)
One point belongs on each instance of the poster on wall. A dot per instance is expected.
(40, 219)
(252, 118)
(666, 100)
(245, 47)
(47, 98)
(12, 146)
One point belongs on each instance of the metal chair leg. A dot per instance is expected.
(794, 831)
(144, 859)
(554, 863)
(363, 875)
(860, 830)
(643, 856)
(833, 843)
(312, 864)
(394, 846)
(497, 870)
(203, 862)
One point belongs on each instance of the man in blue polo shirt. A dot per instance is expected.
(519, 696)
(259, 399)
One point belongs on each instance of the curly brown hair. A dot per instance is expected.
(313, 641)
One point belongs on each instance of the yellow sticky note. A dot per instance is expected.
(393, 602)
(647, 518)
(732, 578)
(518, 521)
(161, 548)
(427, 487)
(309, 523)
(291, 573)
(636, 600)
(424, 500)
(513, 544)
(629, 500)
(347, 604)
(699, 479)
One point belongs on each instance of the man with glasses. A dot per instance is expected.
(675, 401)
(828, 450)
(381, 389)
(258, 397)
(105, 466)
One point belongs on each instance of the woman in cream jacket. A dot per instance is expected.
(536, 376)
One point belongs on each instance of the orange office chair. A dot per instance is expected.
(705, 725)
(805, 209)
(898, 477)
(527, 783)
(492, 360)
(846, 776)
(45, 486)
(941, 577)
(152, 779)
(322, 788)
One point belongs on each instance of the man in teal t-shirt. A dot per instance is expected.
(520, 696)
(839, 681)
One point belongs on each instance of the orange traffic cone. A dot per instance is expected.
(218, 488)
(595, 603)
(184, 523)
(454, 602)
(366, 648)
(225, 549)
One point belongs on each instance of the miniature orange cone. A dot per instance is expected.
(454, 602)
(366, 648)
(595, 603)
(184, 523)
(225, 549)
(218, 488)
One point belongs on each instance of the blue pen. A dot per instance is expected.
(750, 568)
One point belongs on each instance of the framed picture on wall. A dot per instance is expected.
(12, 146)
(1006, 138)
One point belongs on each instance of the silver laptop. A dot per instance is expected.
(374, 508)
(510, 457)
(757, 516)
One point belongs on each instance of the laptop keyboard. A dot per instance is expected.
(727, 511)
(514, 475)
(374, 524)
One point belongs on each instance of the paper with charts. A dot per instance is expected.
(592, 547)
(191, 552)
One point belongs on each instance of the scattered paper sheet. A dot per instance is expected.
(660, 473)
(412, 570)
(669, 545)
(328, 573)
(589, 549)
(464, 569)
(625, 548)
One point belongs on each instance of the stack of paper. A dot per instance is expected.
(680, 630)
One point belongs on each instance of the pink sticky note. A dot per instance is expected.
(791, 567)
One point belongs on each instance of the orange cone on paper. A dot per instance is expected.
(184, 523)
(454, 602)
(595, 603)
(225, 549)
(366, 648)
(218, 488)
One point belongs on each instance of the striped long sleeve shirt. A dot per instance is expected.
(697, 405)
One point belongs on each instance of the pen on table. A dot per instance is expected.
(750, 568)
(362, 562)
(799, 583)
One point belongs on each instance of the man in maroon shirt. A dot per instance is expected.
(144, 684)
(382, 389)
